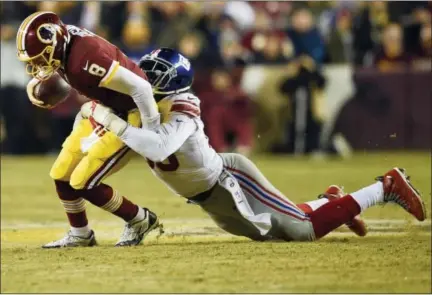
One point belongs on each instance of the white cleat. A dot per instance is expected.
(133, 234)
(72, 241)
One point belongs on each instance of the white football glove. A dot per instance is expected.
(103, 116)
(97, 111)
(31, 88)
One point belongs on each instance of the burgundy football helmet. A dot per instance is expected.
(41, 43)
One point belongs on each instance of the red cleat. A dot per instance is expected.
(357, 225)
(398, 189)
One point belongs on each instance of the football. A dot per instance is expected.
(52, 91)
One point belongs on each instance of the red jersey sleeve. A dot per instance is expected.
(91, 64)
(186, 104)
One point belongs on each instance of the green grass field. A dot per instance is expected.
(194, 256)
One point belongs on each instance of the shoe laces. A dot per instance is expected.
(131, 230)
(68, 239)
(395, 198)
(392, 196)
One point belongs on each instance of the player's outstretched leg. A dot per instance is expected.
(135, 232)
(78, 176)
(79, 235)
(139, 221)
(393, 187)
(334, 192)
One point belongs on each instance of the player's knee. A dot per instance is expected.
(303, 237)
(64, 166)
(303, 233)
(89, 173)
(76, 184)
(286, 229)
(57, 171)
(233, 159)
(79, 180)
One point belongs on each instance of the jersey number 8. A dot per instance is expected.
(97, 70)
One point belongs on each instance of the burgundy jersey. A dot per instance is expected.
(89, 60)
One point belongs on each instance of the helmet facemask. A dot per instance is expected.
(168, 71)
(158, 72)
(43, 65)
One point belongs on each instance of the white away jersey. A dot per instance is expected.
(195, 166)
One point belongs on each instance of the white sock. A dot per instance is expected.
(82, 232)
(140, 215)
(315, 204)
(369, 196)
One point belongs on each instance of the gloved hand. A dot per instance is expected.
(97, 111)
(31, 88)
(104, 116)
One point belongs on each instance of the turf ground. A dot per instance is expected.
(194, 256)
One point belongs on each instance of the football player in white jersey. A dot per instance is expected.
(229, 187)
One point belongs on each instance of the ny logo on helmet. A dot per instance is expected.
(184, 62)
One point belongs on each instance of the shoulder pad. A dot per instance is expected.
(187, 104)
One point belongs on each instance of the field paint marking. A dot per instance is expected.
(205, 228)
(199, 230)
(105, 236)
(168, 221)
(199, 222)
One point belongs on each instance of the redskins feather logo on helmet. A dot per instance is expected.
(46, 33)
(41, 43)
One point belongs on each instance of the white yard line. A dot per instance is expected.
(6, 225)
(202, 224)
(198, 229)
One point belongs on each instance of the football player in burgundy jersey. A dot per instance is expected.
(100, 71)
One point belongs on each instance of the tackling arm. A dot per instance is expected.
(156, 144)
(163, 141)
(125, 81)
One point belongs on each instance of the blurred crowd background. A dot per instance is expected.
(287, 44)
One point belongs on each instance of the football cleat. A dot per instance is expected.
(357, 225)
(73, 241)
(398, 189)
(134, 233)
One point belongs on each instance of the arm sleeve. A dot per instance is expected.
(159, 143)
(127, 82)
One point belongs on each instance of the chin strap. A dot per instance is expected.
(67, 38)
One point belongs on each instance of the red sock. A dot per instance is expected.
(305, 207)
(73, 204)
(110, 200)
(333, 214)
